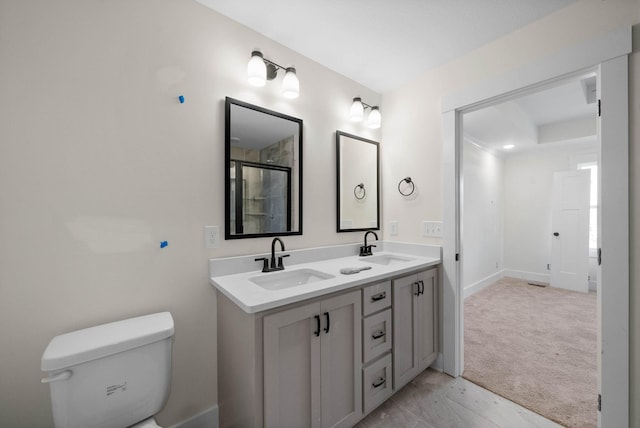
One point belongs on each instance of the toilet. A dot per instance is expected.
(114, 375)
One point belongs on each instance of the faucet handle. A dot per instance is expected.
(265, 263)
(280, 265)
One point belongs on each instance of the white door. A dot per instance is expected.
(570, 230)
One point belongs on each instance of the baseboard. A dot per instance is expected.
(438, 364)
(479, 285)
(206, 419)
(529, 276)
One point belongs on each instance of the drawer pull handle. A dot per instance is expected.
(379, 382)
(379, 296)
(378, 335)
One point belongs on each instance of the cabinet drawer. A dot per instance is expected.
(376, 383)
(376, 335)
(376, 297)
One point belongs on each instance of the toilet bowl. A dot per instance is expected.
(113, 375)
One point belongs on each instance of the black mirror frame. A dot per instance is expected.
(344, 134)
(227, 170)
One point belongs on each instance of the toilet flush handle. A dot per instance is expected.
(64, 375)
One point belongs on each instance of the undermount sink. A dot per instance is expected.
(386, 259)
(288, 279)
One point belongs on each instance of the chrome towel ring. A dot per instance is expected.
(359, 194)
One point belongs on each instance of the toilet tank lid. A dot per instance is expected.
(100, 341)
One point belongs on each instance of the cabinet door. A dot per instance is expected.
(341, 361)
(405, 331)
(292, 368)
(427, 317)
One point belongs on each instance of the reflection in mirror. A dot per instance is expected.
(358, 183)
(263, 172)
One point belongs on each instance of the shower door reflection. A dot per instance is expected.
(263, 203)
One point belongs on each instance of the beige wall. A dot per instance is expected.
(413, 126)
(99, 162)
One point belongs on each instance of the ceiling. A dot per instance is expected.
(562, 114)
(382, 44)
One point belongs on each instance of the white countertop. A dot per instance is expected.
(253, 298)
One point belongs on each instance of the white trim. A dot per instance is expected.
(605, 54)
(513, 273)
(452, 352)
(472, 289)
(205, 419)
(613, 238)
(437, 363)
(529, 276)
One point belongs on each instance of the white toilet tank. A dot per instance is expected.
(112, 375)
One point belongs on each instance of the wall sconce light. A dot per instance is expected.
(260, 69)
(356, 114)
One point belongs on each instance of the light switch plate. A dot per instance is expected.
(432, 229)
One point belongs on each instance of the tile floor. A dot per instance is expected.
(436, 400)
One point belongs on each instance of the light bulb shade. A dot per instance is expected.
(256, 69)
(375, 118)
(357, 110)
(290, 84)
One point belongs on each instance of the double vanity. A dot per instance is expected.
(325, 339)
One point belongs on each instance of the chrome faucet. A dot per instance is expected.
(270, 265)
(365, 250)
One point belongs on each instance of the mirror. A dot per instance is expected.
(358, 170)
(263, 172)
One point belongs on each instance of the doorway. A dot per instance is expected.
(515, 222)
(525, 212)
(607, 57)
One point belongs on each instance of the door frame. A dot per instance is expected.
(607, 55)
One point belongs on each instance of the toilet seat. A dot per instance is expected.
(147, 423)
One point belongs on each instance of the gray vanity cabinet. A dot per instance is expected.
(312, 364)
(303, 365)
(415, 325)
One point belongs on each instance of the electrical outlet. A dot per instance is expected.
(211, 237)
(393, 226)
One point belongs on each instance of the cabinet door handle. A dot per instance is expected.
(378, 335)
(326, 329)
(317, 332)
(379, 382)
(379, 296)
(417, 284)
(421, 286)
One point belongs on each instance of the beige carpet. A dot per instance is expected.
(535, 346)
